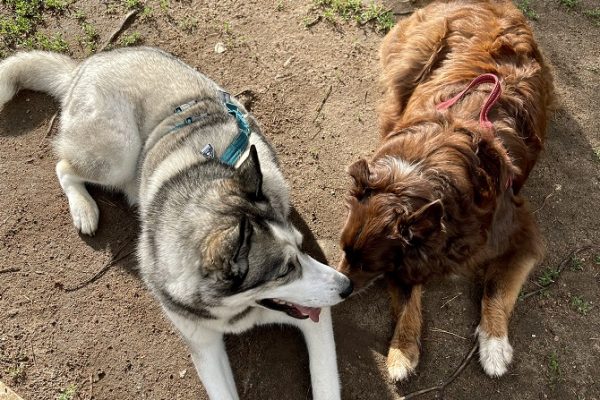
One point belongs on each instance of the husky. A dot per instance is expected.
(217, 248)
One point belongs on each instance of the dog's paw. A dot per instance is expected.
(85, 213)
(399, 365)
(495, 353)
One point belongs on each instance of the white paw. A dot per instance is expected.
(399, 366)
(495, 353)
(85, 213)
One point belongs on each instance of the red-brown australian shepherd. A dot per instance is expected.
(462, 123)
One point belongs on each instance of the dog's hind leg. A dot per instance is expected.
(403, 355)
(84, 210)
(209, 357)
(503, 280)
(98, 151)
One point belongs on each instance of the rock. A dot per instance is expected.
(220, 48)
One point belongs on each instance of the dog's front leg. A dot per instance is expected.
(209, 356)
(322, 357)
(403, 355)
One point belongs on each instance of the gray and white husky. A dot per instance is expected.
(217, 247)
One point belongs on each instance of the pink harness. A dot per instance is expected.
(489, 102)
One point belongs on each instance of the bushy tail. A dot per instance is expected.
(41, 71)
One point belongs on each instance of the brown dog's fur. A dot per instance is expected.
(441, 195)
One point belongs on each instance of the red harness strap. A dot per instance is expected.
(489, 102)
(485, 109)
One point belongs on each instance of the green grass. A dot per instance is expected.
(90, 37)
(69, 393)
(527, 10)
(17, 373)
(164, 5)
(41, 41)
(597, 151)
(548, 276)
(594, 15)
(147, 13)
(335, 11)
(576, 264)
(132, 4)
(59, 5)
(188, 24)
(597, 259)
(553, 368)
(131, 39)
(569, 3)
(580, 305)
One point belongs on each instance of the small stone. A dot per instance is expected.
(182, 373)
(220, 48)
(13, 312)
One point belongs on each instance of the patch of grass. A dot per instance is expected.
(17, 373)
(131, 39)
(80, 15)
(384, 19)
(132, 4)
(527, 10)
(59, 5)
(90, 36)
(188, 24)
(279, 6)
(147, 13)
(597, 151)
(594, 15)
(580, 305)
(42, 41)
(69, 393)
(346, 10)
(576, 264)
(597, 259)
(548, 276)
(164, 5)
(569, 3)
(553, 368)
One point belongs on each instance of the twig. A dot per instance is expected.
(50, 126)
(323, 102)
(443, 386)
(7, 270)
(449, 301)
(544, 202)
(559, 271)
(116, 258)
(313, 22)
(124, 24)
(447, 332)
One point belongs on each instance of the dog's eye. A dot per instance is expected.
(289, 267)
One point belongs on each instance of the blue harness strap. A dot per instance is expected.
(238, 145)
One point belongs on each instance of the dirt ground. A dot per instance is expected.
(109, 340)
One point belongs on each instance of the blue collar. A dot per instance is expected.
(238, 145)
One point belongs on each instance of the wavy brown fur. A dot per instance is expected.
(441, 193)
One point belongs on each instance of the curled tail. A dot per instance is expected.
(41, 71)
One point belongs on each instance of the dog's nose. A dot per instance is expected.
(348, 290)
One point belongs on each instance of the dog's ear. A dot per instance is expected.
(239, 261)
(359, 171)
(250, 175)
(423, 223)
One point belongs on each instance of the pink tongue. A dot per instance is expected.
(313, 313)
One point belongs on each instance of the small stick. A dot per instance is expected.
(442, 387)
(7, 270)
(118, 257)
(124, 23)
(452, 299)
(544, 202)
(50, 126)
(559, 271)
(313, 22)
(448, 333)
(323, 102)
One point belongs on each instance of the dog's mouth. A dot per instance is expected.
(291, 309)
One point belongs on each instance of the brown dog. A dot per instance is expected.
(441, 195)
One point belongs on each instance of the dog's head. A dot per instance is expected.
(392, 220)
(237, 247)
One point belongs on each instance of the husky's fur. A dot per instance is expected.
(216, 246)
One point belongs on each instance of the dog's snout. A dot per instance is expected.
(347, 290)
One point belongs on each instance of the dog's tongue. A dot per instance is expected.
(313, 313)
